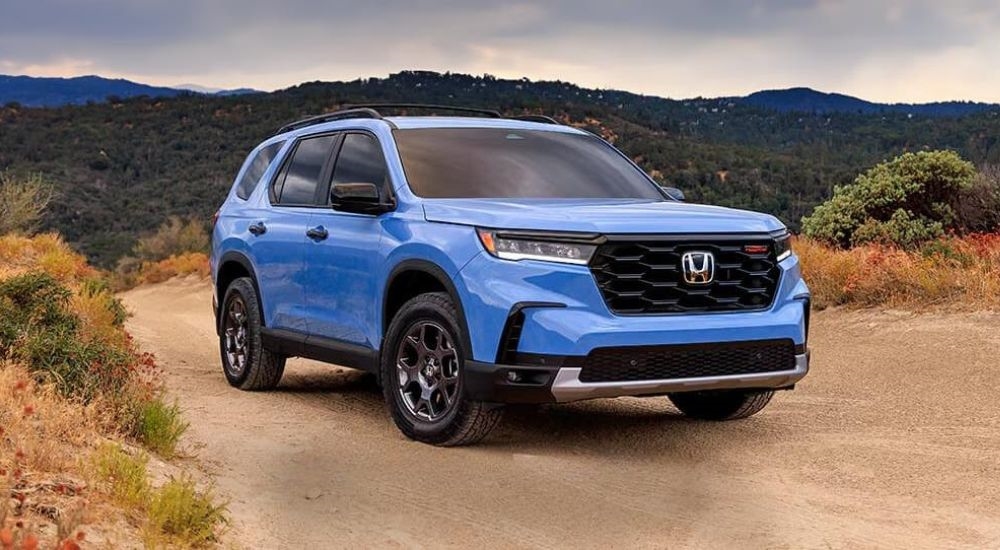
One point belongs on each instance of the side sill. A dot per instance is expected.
(326, 350)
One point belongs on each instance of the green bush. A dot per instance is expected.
(176, 514)
(161, 427)
(125, 474)
(39, 329)
(22, 202)
(185, 516)
(907, 201)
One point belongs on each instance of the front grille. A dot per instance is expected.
(623, 364)
(645, 276)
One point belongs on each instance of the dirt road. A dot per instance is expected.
(892, 441)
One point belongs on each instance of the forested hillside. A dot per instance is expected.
(121, 168)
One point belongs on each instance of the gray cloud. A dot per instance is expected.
(895, 50)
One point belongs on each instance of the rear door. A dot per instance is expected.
(278, 235)
(341, 268)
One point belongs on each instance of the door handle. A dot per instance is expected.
(318, 233)
(258, 228)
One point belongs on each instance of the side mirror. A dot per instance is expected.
(360, 198)
(674, 193)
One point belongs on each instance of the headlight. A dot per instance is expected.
(783, 246)
(555, 247)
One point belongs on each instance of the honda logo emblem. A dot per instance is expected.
(698, 267)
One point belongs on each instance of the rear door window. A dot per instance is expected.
(298, 182)
(259, 165)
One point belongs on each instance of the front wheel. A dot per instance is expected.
(721, 404)
(422, 376)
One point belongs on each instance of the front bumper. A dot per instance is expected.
(539, 330)
(493, 383)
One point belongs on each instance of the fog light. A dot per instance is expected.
(513, 376)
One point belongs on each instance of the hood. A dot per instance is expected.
(606, 216)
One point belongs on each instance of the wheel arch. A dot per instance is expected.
(411, 278)
(232, 266)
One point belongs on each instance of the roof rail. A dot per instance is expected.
(429, 107)
(537, 118)
(360, 112)
(369, 110)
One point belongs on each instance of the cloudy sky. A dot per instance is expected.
(894, 50)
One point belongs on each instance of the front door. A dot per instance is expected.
(343, 258)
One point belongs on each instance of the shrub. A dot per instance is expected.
(38, 329)
(176, 514)
(161, 427)
(76, 341)
(177, 248)
(22, 202)
(124, 473)
(183, 515)
(174, 237)
(979, 206)
(907, 201)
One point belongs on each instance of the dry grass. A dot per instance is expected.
(42, 438)
(958, 273)
(188, 263)
(71, 378)
(131, 272)
(49, 253)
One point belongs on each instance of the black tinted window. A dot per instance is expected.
(303, 172)
(256, 170)
(360, 161)
(500, 163)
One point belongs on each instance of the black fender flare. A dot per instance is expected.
(239, 258)
(442, 277)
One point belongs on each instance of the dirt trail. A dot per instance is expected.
(892, 441)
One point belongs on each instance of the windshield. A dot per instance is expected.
(503, 163)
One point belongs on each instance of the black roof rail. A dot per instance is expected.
(427, 106)
(369, 110)
(359, 112)
(537, 118)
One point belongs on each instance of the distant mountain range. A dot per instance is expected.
(780, 152)
(807, 100)
(53, 92)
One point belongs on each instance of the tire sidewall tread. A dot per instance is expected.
(721, 404)
(467, 423)
(264, 368)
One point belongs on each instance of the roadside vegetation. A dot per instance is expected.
(916, 231)
(73, 382)
(177, 248)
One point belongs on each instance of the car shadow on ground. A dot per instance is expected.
(624, 426)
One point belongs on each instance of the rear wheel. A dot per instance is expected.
(246, 363)
(422, 376)
(721, 404)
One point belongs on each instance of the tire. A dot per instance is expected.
(245, 362)
(422, 368)
(721, 404)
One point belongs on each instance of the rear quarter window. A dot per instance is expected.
(251, 178)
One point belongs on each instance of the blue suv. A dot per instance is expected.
(473, 261)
